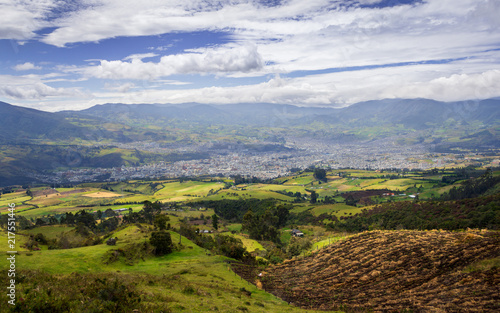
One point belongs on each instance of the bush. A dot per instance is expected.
(40, 238)
(162, 242)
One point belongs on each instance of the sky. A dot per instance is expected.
(70, 55)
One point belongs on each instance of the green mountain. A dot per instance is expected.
(19, 124)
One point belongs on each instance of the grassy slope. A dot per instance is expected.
(202, 282)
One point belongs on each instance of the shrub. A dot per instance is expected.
(162, 242)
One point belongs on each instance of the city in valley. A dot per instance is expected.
(235, 159)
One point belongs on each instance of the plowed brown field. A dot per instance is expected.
(395, 271)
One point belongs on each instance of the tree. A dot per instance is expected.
(350, 200)
(320, 174)
(150, 209)
(85, 218)
(329, 200)
(314, 197)
(109, 213)
(161, 221)
(215, 221)
(298, 197)
(283, 213)
(162, 242)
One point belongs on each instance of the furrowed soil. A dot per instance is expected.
(394, 271)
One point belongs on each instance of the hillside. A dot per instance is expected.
(481, 212)
(19, 124)
(126, 278)
(34, 143)
(418, 113)
(379, 271)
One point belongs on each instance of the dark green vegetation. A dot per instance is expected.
(471, 211)
(175, 245)
(483, 212)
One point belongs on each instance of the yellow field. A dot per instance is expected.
(102, 194)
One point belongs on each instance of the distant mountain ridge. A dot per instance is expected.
(412, 113)
(420, 113)
(24, 124)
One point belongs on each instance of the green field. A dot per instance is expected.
(100, 196)
(50, 232)
(337, 209)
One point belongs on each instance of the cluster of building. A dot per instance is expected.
(234, 160)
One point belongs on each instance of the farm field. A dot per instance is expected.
(337, 209)
(332, 255)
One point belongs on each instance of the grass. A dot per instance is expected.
(337, 209)
(50, 232)
(483, 265)
(234, 227)
(193, 280)
(250, 244)
(177, 191)
(326, 242)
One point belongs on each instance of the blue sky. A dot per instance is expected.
(57, 55)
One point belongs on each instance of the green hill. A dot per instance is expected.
(85, 280)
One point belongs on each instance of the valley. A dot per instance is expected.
(349, 258)
(113, 142)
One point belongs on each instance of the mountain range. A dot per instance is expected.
(33, 140)
(412, 113)
(21, 124)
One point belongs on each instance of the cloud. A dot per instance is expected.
(332, 89)
(31, 88)
(22, 18)
(455, 87)
(365, 49)
(217, 60)
(123, 88)
(26, 66)
(141, 56)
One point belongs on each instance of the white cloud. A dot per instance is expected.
(26, 66)
(297, 35)
(455, 87)
(30, 88)
(332, 89)
(141, 56)
(21, 18)
(218, 60)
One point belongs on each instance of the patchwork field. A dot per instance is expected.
(336, 270)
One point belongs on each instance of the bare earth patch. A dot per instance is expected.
(102, 194)
(389, 271)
